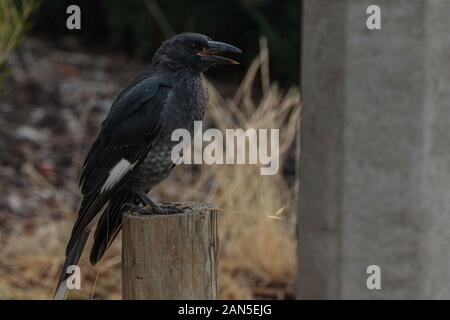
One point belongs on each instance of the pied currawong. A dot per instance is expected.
(132, 152)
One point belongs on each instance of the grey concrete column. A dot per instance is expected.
(375, 150)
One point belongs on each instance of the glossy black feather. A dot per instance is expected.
(127, 133)
(110, 223)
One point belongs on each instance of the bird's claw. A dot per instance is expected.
(169, 209)
(147, 210)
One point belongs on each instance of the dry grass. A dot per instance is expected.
(257, 220)
(257, 223)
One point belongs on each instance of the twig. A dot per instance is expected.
(264, 56)
(95, 285)
(160, 18)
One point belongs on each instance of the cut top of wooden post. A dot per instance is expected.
(171, 256)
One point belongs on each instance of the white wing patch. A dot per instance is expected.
(117, 173)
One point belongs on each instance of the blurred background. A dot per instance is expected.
(56, 87)
(375, 150)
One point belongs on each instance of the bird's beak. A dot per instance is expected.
(214, 47)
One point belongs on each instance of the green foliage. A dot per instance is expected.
(13, 18)
(130, 25)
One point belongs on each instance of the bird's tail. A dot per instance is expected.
(110, 223)
(72, 258)
(108, 226)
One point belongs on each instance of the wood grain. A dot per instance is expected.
(171, 256)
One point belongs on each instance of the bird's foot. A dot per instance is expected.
(168, 209)
(147, 210)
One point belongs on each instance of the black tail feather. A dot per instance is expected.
(72, 258)
(110, 224)
(90, 206)
(108, 227)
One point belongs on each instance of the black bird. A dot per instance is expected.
(132, 152)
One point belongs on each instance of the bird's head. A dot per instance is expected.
(193, 50)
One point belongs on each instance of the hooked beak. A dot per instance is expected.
(214, 47)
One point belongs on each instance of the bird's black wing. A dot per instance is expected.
(126, 135)
(124, 140)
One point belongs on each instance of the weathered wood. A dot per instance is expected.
(171, 256)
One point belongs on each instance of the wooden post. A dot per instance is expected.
(171, 256)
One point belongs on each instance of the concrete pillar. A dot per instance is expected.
(375, 150)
